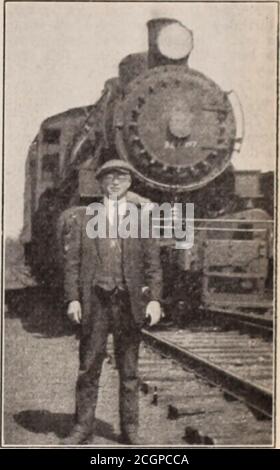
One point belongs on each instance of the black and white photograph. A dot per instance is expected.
(139, 203)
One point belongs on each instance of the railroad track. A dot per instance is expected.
(247, 322)
(186, 408)
(238, 364)
(178, 405)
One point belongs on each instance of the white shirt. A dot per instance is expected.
(111, 205)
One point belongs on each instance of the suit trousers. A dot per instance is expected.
(111, 312)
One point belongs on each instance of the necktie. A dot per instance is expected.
(115, 220)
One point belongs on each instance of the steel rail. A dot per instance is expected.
(256, 397)
(249, 323)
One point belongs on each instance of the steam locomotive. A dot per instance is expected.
(179, 130)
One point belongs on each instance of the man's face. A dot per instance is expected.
(115, 184)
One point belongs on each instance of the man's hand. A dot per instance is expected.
(153, 311)
(74, 311)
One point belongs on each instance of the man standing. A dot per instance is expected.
(103, 283)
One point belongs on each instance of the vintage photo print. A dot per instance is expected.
(139, 192)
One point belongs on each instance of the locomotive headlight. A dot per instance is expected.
(175, 41)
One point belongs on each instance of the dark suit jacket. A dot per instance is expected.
(81, 262)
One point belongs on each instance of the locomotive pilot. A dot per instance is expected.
(103, 283)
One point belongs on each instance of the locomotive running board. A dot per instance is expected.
(257, 398)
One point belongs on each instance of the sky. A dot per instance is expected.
(58, 56)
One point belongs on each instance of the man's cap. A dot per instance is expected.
(114, 165)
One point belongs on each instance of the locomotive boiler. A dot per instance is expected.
(179, 130)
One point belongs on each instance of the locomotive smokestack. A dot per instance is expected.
(170, 42)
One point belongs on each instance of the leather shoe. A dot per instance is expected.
(77, 437)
